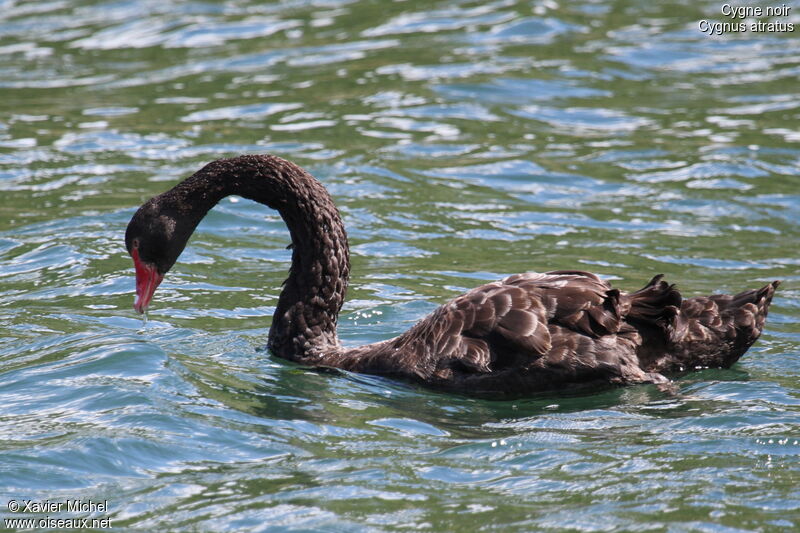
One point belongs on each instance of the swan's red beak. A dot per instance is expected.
(147, 281)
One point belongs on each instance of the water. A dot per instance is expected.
(463, 141)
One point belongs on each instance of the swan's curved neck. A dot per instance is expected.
(304, 323)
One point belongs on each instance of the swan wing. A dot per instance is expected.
(579, 301)
(512, 322)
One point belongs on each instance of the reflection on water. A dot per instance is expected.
(463, 141)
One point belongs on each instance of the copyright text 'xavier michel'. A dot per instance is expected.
(55, 514)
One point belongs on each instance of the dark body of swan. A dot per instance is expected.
(524, 334)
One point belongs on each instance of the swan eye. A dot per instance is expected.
(135, 243)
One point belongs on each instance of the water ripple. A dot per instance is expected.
(462, 142)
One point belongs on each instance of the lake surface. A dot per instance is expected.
(463, 141)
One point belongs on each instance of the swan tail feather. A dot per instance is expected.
(715, 331)
(656, 304)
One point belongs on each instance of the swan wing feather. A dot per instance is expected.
(508, 323)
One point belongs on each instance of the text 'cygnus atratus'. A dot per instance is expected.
(524, 334)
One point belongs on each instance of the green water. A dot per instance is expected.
(463, 141)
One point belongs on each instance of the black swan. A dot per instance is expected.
(522, 335)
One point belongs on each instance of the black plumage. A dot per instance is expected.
(522, 335)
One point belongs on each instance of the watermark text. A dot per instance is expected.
(740, 19)
(33, 509)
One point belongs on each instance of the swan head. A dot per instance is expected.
(154, 241)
